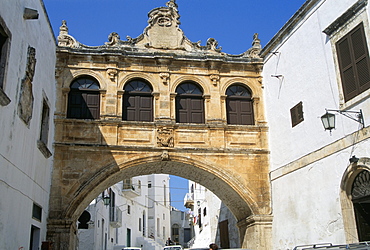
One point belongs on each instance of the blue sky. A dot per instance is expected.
(232, 23)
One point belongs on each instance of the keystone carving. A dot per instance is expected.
(112, 74)
(165, 77)
(215, 79)
(165, 156)
(165, 137)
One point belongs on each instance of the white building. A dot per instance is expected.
(180, 227)
(319, 60)
(212, 221)
(27, 96)
(138, 215)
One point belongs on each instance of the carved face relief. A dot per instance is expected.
(164, 21)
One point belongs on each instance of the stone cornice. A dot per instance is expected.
(335, 147)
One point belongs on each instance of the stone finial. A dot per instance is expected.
(64, 39)
(256, 41)
(172, 4)
(63, 30)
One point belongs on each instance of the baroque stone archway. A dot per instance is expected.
(85, 170)
(232, 160)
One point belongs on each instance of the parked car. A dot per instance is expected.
(174, 247)
(121, 247)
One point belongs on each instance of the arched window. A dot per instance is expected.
(239, 106)
(138, 101)
(84, 99)
(189, 103)
(361, 203)
(175, 233)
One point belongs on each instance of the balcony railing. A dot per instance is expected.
(189, 200)
(115, 217)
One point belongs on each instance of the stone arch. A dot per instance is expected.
(132, 76)
(85, 72)
(255, 91)
(348, 212)
(239, 200)
(199, 81)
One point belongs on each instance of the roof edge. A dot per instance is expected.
(288, 26)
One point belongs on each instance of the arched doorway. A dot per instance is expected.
(355, 201)
(361, 203)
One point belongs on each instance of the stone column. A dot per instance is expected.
(62, 234)
(256, 232)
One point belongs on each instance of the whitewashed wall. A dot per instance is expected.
(25, 172)
(305, 193)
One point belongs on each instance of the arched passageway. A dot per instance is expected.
(95, 168)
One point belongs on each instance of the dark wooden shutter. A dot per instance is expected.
(239, 111)
(83, 105)
(189, 109)
(92, 101)
(353, 57)
(146, 108)
(138, 108)
(296, 114)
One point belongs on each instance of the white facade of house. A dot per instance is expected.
(210, 219)
(27, 96)
(311, 174)
(138, 215)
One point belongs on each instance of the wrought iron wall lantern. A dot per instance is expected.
(105, 198)
(328, 119)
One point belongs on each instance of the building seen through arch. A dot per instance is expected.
(245, 127)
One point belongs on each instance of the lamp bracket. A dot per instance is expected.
(353, 115)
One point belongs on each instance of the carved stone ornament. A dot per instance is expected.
(64, 39)
(25, 104)
(113, 39)
(112, 74)
(165, 137)
(165, 77)
(212, 44)
(215, 79)
(255, 51)
(165, 156)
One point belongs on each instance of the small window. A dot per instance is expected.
(138, 101)
(189, 103)
(36, 212)
(42, 143)
(4, 44)
(239, 105)
(128, 209)
(354, 64)
(149, 184)
(44, 133)
(84, 99)
(296, 114)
